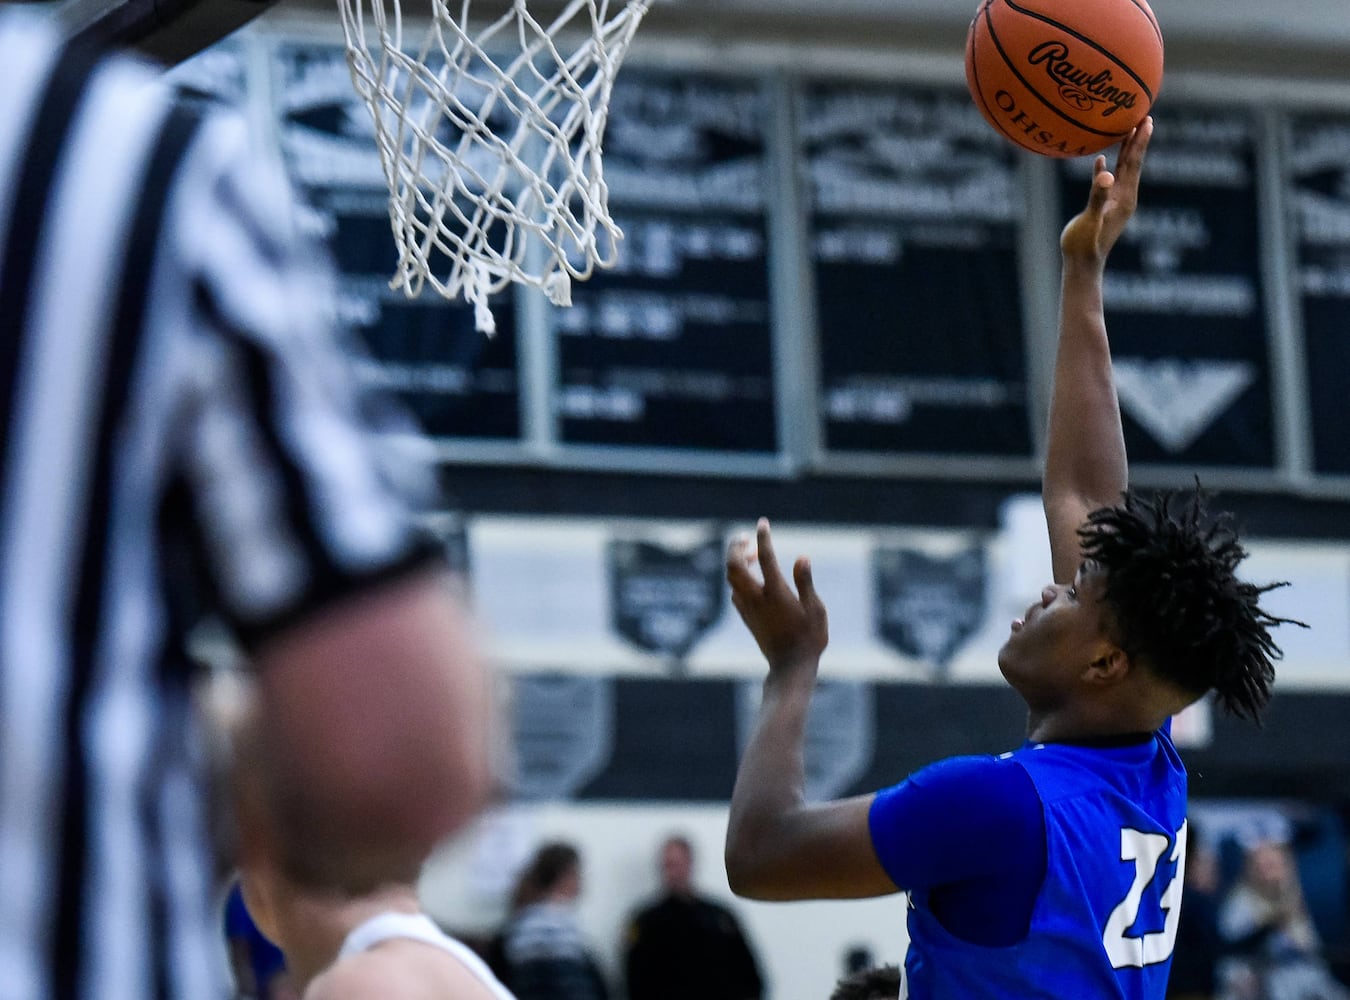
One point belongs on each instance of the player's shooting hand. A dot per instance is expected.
(1092, 233)
(790, 626)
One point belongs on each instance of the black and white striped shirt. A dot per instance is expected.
(170, 395)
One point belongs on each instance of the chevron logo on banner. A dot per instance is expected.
(1176, 400)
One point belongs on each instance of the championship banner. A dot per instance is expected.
(910, 195)
(1317, 186)
(1185, 298)
(426, 351)
(643, 355)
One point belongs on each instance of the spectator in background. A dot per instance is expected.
(258, 965)
(685, 945)
(541, 953)
(881, 983)
(1276, 951)
(1199, 947)
(858, 958)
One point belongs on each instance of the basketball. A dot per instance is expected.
(1064, 77)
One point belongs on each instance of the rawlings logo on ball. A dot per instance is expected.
(1080, 87)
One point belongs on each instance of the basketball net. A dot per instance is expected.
(490, 142)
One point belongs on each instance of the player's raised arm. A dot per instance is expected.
(1085, 466)
(778, 846)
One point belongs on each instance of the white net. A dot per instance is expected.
(490, 140)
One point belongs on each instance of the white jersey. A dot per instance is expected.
(393, 926)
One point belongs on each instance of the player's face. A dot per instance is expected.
(1061, 634)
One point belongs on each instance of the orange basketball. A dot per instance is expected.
(1064, 77)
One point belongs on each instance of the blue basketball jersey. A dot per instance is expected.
(1105, 919)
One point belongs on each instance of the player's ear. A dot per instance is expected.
(1111, 666)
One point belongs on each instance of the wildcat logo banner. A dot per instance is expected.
(928, 607)
(664, 601)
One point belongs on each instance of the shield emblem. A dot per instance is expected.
(927, 607)
(664, 601)
(564, 733)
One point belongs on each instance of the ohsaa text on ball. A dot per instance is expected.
(1023, 122)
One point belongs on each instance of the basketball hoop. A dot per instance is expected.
(490, 141)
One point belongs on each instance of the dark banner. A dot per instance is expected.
(914, 209)
(1317, 179)
(457, 383)
(1184, 302)
(672, 348)
(680, 740)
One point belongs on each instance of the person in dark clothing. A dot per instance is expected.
(1199, 946)
(881, 983)
(684, 945)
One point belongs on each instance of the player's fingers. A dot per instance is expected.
(1139, 141)
(806, 587)
(738, 602)
(738, 566)
(768, 559)
(1132, 150)
(1102, 183)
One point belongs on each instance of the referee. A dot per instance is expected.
(177, 421)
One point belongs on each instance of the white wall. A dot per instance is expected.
(800, 945)
(542, 589)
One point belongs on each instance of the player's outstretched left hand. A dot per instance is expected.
(791, 627)
(1092, 233)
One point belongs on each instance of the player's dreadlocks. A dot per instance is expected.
(1177, 603)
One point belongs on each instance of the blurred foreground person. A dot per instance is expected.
(342, 944)
(258, 966)
(179, 425)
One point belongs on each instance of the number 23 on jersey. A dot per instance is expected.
(1146, 850)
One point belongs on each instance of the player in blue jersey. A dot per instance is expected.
(1054, 870)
